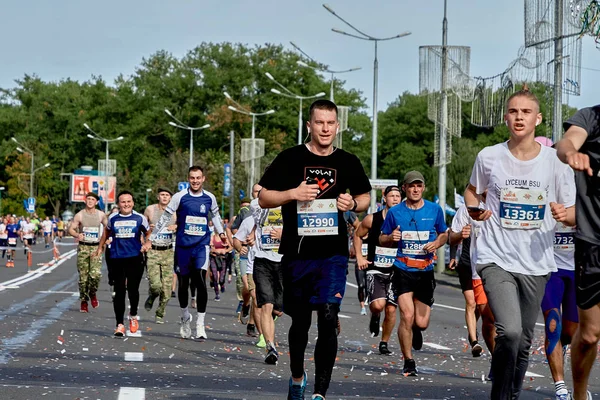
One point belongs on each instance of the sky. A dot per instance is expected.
(79, 39)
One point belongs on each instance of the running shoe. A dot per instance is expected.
(317, 397)
(245, 315)
(383, 349)
(149, 303)
(374, 325)
(133, 323)
(239, 307)
(217, 298)
(251, 330)
(186, 329)
(120, 331)
(200, 331)
(296, 392)
(417, 340)
(193, 303)
(261, 342)
(113, 293)
(589, 395)
(563, 396)
(476, 350)
(84, 306)
(173, 295)
(272, 355)
(222, 288)
(94, 301)
(159, 320)
(363, 311)
(410, 367)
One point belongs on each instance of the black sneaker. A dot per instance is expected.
(173, 295)
(149, 303)
(244, 316)
(410, 367)
(417, 340)
(251, 330)
(476, 349)
(374, 325)
(272, 355)
(383, 349)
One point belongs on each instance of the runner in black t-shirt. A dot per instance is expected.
(580, 148)
(310, 182)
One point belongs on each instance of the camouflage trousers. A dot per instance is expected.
(239, 284)
(89, 268)
(160, 277)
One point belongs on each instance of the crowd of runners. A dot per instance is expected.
(528, 237)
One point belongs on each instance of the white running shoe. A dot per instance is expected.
(186, 328)
(200, 331)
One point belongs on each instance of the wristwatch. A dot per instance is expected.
(355, 205)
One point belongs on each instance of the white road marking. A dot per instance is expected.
(352, 285)
(436, 346)
(132, 393)
(343, 316)
(31, 275)
(134, 356)
(58, 292)
(533, 375)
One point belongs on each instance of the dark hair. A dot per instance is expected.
(323, 105)
(196, 168)
(524, 92)
(122, 192)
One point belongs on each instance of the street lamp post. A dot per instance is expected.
(2, 188)
(326, 70)
(289, 94)
(96, 136)
(181, 125)
(240, 109)
(363, 36)
(24, 149)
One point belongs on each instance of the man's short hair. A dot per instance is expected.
(123, 192)
(323, 104)
(524, 92)
(196, 168)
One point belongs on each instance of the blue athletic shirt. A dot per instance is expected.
(13, 230)
(418, 228)
(126, 232)
(193, 212)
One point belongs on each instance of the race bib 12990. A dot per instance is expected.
(317, 218)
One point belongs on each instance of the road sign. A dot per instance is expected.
(242, 194)
(183, 186)
(383, 183)
(227, 180)
(31, 204)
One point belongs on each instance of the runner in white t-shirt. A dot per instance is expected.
(529, 189)
(47, 228)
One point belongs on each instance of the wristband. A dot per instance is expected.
(355, 205)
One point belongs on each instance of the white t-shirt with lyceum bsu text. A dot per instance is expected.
(519, 236)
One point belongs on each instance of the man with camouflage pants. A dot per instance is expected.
(160, 258)
(86, 229)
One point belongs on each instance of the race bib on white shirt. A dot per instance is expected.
(384, 257)
(91, 234)
(317, 218)
(125, 229)
(564, 238)
(413, 242)
(266, 241)
(3, 236)
(522, 208)
(195, 226)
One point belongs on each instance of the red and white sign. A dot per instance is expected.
(83, 184)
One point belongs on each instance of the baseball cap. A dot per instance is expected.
(390, 189)
(413, 176)
(92, 194)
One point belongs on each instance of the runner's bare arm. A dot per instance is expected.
(392, 239)
(440, 240)
(357, 242)
(362, 202)
(74, 225)
(568, 149)
(472, 199)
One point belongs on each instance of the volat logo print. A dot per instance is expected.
(325, 177)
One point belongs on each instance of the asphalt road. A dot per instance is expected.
(48, 349)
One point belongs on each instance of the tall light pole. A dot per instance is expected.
(239, 109)
(147, 193)
(289, 94)
(24, 149)
(363, 36)
(326, 70)
(181, 125)
(95, 136)
(2, 188)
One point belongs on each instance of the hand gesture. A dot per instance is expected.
(306, 192)
(452, 264)
(480, 215)
(345, 202)
(244, 250)
(559, 212)
(397, 234)
(429, 247)
(579, 162)
(362, 263)
(146, 246)
(466, 231)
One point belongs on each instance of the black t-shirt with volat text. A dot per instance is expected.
(315, 230)
(588, 187)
